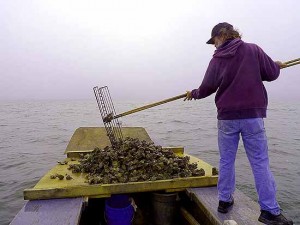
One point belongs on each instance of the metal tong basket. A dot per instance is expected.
(106, 107)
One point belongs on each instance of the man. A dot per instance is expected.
(236, 72)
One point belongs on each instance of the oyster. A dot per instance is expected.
(59, 176)
(215, 171)
(68, 177)
(62, 163)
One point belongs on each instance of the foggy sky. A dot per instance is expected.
(142, 50)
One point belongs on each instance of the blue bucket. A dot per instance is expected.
(118, 210)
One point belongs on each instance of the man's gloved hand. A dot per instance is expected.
(188, 96)
(281, 64)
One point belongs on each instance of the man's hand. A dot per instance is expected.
(188, 96)
(281, 65)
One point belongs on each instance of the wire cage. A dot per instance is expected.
(106, 107)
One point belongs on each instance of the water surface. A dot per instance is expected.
(34, 135)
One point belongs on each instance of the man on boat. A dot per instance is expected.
(236, 72)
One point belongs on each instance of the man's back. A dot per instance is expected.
(240, 69)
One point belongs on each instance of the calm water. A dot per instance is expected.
(34, 135)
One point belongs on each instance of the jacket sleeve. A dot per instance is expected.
(209, 84)
(268, 68)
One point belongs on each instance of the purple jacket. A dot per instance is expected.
(237, 71)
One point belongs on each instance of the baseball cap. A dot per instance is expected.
(216, 30)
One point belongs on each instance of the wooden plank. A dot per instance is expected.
(76, 154)
(48, 188)
(87, 138)
(244, 211)
(49, 212)
(188, 217)
(177, 150)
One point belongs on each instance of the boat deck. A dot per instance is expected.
(50, 212)
(244, 211)
(68, 211)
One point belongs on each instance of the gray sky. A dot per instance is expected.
(142, 50)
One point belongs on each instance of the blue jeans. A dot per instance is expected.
(255, 142)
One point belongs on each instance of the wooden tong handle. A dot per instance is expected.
(150, 105)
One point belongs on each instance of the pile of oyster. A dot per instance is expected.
(132, 160)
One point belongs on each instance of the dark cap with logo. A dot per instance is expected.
(216, 31)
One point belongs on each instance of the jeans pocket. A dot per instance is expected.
(228, 126)
(253, 126)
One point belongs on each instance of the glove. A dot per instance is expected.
(281, 65)
(188, 96)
